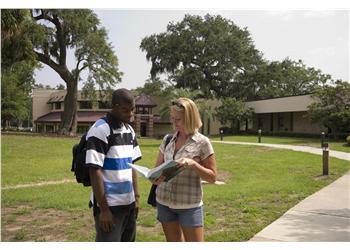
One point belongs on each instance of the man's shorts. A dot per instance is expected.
(191, 217)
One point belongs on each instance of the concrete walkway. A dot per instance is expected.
(323, 216)
(307, 149)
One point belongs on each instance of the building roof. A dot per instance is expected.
(59, 96)
(144, 100)
(141, 100)
(56, 98)
(82, 116)
(282, 104)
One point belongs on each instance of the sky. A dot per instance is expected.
(319, 37)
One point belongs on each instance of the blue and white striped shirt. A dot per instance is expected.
(113, 158)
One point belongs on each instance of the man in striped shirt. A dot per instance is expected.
(111, 145)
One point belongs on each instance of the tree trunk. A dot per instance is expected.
(238, 126)
(68, 124)
(19, 123)
(4, 124)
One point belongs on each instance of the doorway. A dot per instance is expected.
(143, 129)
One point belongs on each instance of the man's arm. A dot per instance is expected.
(106, 217)
(136, 156)
(135, 185)
(136, 190)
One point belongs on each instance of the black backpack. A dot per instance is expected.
(79, 168)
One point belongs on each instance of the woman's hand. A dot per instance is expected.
(158, 181)
(186, 163)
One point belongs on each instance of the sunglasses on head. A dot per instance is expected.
(177, 104)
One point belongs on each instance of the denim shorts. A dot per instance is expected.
(191, 217)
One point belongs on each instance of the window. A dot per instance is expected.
(103, 105)
(85, 105)
(143, 110)
(57, 105)
(49, 128)
(280, 121)
(81, 129)
(39, 128)
(260, 123)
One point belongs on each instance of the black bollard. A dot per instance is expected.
(259, 135)
(325, 158)
(221, 134)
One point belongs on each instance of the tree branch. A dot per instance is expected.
(61, 57)
(61, 70)
(60, 40)
(82, 68)
(80, 58)
(46, 59)
(42, 16)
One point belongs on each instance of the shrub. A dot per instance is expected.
(348, 140)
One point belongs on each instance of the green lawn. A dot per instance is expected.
(261, 184)
(312, 142)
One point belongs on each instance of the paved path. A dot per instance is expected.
(44, 183)
(312, 150)
(323, 216)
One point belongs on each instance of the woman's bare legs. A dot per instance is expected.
(172, 231)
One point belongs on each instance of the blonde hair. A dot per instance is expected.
(191, 114)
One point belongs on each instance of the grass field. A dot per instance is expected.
(261, 184)
(312, 142)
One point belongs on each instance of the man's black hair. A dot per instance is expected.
(122, 96)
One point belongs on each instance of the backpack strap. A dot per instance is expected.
(128, 125)
(167, 140)
(110, 130)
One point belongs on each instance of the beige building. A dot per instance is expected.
(283, 115)
(278, 115)
(48, 107)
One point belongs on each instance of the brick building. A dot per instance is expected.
(285, 115)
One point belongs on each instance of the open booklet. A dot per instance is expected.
(169, 169)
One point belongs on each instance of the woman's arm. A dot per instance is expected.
(160, 159)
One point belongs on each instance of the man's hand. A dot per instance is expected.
(106, 221)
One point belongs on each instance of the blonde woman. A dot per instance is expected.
(179, 201)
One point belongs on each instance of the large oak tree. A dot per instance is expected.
(210, 54)
(286, 78)
(219, 58)
(58, 31)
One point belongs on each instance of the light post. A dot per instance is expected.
(221, 134)
(259, 135)
(322, 138)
